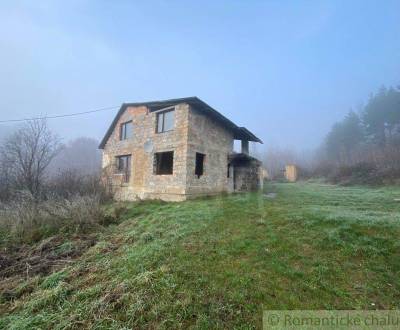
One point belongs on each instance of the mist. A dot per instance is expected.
(117, 212)
(286, 71)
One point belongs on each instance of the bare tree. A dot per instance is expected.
(27, 153)
(4, 181)
(80, 155)
(275, 159)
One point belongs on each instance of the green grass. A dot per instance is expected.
(218, 262)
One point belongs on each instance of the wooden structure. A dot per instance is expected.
(291, 173)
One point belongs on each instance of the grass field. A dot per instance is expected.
(218, 262)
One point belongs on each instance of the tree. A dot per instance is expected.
(80, 155)
(345, 138)
(381, 116)
(5, 183)
(393, 113)
(276, 158)
(27, 153)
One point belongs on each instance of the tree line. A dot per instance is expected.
(369, 139)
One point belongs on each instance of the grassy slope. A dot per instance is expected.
(218, 262)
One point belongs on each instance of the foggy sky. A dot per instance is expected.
(284, 69)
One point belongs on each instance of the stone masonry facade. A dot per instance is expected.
(193, 132)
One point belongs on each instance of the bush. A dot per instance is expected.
(322, 169)
(304, 173)
(370, 164)
(360, 173)
(27, 219)
(70, 182)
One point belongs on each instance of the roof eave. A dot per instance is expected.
(240, 133)
(111, 128)
(243, 133)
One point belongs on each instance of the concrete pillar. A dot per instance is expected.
(245, 147)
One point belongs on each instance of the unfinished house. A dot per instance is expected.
(176, 149)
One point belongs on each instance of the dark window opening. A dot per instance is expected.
(124, 166)
(229, 170)
(126, 130)
(199, 170)
(163, 162)
(165, 121)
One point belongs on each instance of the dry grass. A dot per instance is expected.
(218, 262)
(25, 219)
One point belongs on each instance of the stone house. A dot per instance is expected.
(174, 150)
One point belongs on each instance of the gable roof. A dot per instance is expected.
(239, 133)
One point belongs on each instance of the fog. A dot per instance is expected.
(286, 71)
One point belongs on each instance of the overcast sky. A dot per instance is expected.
(284, 69)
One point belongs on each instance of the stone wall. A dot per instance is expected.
(247, 176)
(193, 133)
(143, 182)
(210, 138)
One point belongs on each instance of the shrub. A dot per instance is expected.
(71, 182)
(27, 219)
(304, 173)
(360, 173)
(370, 164)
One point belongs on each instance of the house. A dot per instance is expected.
(174, 150)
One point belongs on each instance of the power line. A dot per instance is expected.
(58, 116)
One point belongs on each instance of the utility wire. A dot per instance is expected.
(58, 116)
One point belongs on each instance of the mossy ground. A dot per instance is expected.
(218, 262)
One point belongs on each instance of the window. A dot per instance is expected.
(126, 130)
(124, 166)
(165, 121)
(163, 162)
(199, 170)
(228, 174)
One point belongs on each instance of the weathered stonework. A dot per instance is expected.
(143, 182)
(193, 132)
(216, 142)
(247, 173)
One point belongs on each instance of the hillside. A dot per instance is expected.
(218, 262)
